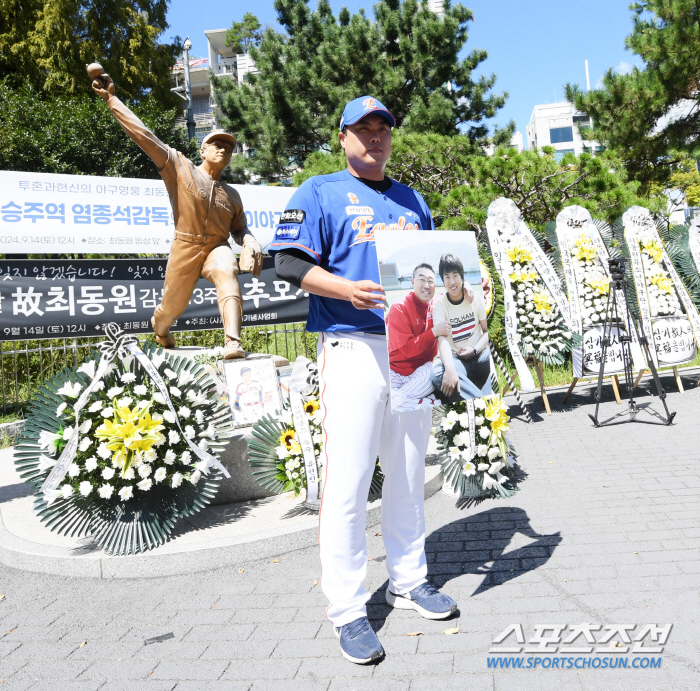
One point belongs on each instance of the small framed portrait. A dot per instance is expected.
(253, 389)
(436, 317)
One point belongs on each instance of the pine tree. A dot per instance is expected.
(651, 116)
(47, 43)
(408, 58)
(242, 35)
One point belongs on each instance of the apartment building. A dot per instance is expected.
(557, 125)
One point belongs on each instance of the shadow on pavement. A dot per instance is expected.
(476, 545)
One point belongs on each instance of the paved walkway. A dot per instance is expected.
(605, 530)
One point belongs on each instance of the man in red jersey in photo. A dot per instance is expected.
(413, 343)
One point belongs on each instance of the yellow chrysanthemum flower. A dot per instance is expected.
(583, 249)
(663, 283)
(129, 432)
(543, 303)
(654, 249)
(600, 285)
(518, 255)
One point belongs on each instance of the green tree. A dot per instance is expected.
(651, 115)
(408, 57)
(242, 35)
(79, 135)
(458, 181)
(48, 42)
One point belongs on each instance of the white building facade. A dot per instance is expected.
(557, 125)
(223, 62)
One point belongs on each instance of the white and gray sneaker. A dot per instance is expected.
(426, 600)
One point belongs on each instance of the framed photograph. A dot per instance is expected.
(436, 326)
(253, 389)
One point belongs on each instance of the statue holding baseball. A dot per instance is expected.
(206, 212)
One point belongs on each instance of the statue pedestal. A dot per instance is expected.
(242, 485)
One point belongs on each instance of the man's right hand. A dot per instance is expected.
(366, 295)
(450, 382)
(442, 329)
(104, 86)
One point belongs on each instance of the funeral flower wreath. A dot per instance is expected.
(476, 458)
(134, 472)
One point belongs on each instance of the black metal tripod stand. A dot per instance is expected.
(612, 318)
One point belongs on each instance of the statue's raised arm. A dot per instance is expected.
(206, 212)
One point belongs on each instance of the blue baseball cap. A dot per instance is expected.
(362, 107)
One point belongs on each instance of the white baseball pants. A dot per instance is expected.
(411, 391)
(357, 426)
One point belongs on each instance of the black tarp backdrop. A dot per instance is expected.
(63, 298)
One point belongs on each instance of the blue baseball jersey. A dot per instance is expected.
(333, 218)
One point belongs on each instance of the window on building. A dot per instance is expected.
(558, 135)
(201, 105)
(558, 155)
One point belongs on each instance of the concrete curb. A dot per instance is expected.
(169, 559)
(11, 429)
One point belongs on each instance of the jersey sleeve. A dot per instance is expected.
(300, 226)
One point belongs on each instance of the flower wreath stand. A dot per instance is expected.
(122, 447)
(477, 460)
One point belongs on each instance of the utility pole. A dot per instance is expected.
(188, 88)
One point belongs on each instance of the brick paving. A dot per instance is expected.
(605, 529)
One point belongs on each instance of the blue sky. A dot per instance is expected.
(534, 46)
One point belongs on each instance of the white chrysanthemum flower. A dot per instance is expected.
(94, 407)
(90, 464)
(85, 426)
(175, 391)
(190, 432)
(170, 457)
(150, 455)
(130, 473)
(462, 439)
(196, 476)
(170, 374)
(84, 444)
(482, 449)
(177, 480)
(161, 439)
(126, 492)
(191, 395)
(103, 452)
(67, 433)
(173, 436)
(478, 420)
(479, 404)
(203, 444)
(482, 467)
(85, 488)
(73, 470)
(70, 390)
(145, 484)
(160, 474)
(203, 466)
(114, 391)
(141, 389)
(199, 417)
(186, 457)
(169, 417)
(144, 470)
(125, 402)
(108, 473)
(66, 491)
(484, 432)
(159, 398)
(138, 459)
(106, 491)
(494, 452)
(99, 386)
(107, 412)
(127, 378)
(184, 411)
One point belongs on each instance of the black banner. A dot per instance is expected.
(66, 298)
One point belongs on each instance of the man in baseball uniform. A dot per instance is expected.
(324, 243)
(249, 397)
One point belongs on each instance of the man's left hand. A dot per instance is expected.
(251, 260)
